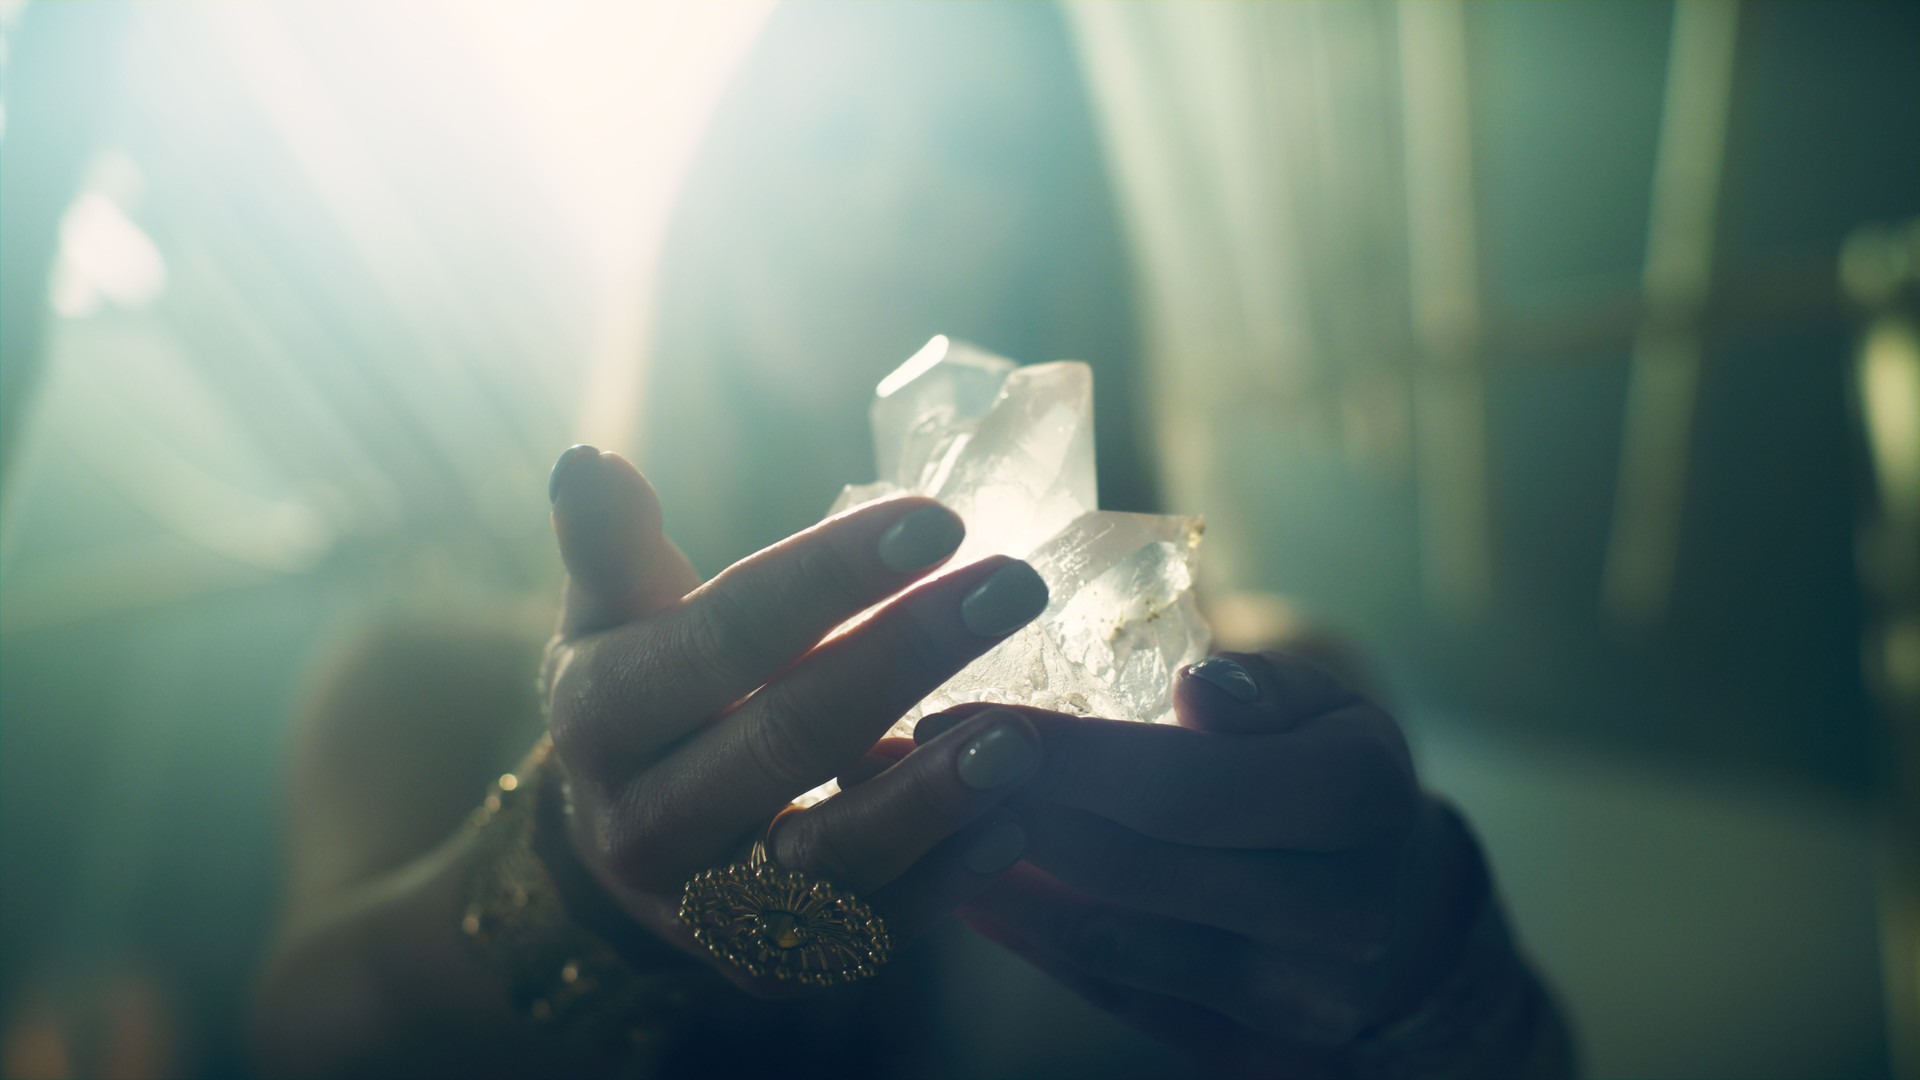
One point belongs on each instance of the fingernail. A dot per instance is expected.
(921, 539)
(932, 727)
(1228, 676)
(1004, 602)
(569, 462)
(997, 757)
(998, 846)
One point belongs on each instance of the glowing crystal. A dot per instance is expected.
(1010, 449)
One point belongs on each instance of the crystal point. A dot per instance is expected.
(1010, 449)
(930, 402)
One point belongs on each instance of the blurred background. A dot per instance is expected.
(1561, 358)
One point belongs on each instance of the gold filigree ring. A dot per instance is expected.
(764, 920)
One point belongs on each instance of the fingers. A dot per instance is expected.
(1248, 693)
(1340, 781)
(1255, 987)
(763, 612)
(1226, 1048)
(865, 838)
(882, 757)
(638, 688)
(962, 867)
(802, 729)
(620, 564)
(1329, 905)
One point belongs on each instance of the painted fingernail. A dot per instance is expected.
(1228, 676)
(921, 539)
(1004, 602)
(997, 757)
(998, 846)
(569, 463)
(932, 727)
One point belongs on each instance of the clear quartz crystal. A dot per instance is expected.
(1010, 449)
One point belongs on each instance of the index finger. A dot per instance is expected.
(1340, 781)
(1252, 693)
(645, 684)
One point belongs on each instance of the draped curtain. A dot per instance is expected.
(1296, 189)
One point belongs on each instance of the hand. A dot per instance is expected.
(1256, 885)
(686, 715)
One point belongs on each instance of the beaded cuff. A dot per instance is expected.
(560, 975)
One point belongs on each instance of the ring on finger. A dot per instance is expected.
(765, 920)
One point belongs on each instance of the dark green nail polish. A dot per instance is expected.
(1004, 602)
(921, 539)
(1228, 676)
(997, 757)
(569, 460)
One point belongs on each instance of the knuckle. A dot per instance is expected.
(817, 850)
(825, 568)
(573, 705)
(627, 842)
(595, 693)
(729, 642)
(779, 748)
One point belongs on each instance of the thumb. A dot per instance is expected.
(620, 564)
(1256, 693)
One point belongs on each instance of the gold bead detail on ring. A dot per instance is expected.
(767, 921)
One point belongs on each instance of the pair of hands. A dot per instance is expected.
(1242, 884)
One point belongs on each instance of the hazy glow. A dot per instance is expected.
(340, 253)
(104, 259)
(615, 96)
(604, 102)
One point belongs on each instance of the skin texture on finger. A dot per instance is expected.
(882, 757)
(864, 838)
(1337, 906)
(1255, 988)
(1256, 693)
(635, 689)
(1336, 782)
(803, 728)
(620, 564)
(960, 868)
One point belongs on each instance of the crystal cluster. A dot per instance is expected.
(1010, 449)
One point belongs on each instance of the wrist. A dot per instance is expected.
(560, 974)
(1451, 889)
(1464, 1004)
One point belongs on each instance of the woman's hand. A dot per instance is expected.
(687, 715)
(1256, 885)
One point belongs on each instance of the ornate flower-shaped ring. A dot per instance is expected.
(764, 920)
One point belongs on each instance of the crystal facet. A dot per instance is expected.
(1010, 449)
